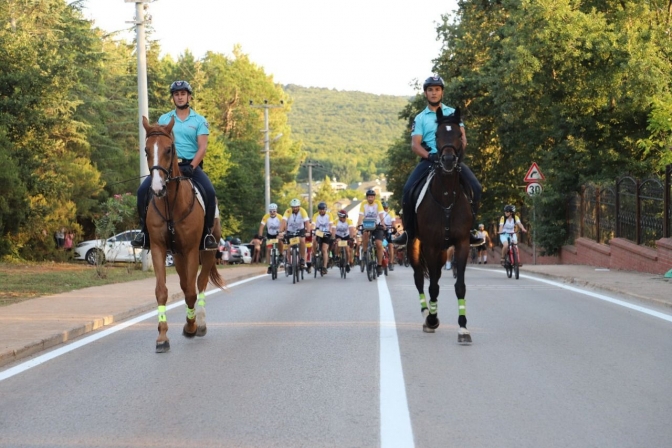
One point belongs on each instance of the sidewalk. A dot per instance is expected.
(31, 326)
(34, 325)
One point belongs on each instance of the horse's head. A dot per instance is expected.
(449, 139)
(160, 152)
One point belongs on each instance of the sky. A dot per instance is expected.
(373, 46)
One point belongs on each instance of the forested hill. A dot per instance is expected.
(346, 132)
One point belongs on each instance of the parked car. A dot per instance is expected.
(114, 249)
(239, 252)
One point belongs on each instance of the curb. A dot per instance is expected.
(11, 356)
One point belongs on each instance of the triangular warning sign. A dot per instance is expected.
(534, 174)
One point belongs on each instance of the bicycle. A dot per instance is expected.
(343, 258)
(273, 257)
(318, 257)
(512, 257)
(292, 258)
(370, 258)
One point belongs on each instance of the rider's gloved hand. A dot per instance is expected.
(433, 157)
(187, 170)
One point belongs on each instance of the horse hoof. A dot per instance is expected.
(162, 347)
(463, 336)
(201, 331)
(185, 333)
(427, 329)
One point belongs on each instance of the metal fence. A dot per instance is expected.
(637, 210)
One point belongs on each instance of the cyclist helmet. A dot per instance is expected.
(180, 85)
(510, 208)
(342, 213)
(273, 208)
(481, 226)
(433, 81)
(295, 203)
(370, 193)
(322, 206)
(385, 204)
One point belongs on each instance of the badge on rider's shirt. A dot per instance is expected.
(413, 126)
(207, 125)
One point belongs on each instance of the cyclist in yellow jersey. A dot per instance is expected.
(272, 221)
(388, 220)
(373, 209)
(321, 222)
(509, 223)
(343, 229)
(295, 220)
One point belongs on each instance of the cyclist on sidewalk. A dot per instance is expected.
(509, 223)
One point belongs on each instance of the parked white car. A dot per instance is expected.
(116, 248)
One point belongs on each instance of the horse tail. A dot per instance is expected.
(423, 263)
(215, 278)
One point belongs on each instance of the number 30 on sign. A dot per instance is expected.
(534, 189)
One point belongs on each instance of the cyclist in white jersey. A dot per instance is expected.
(322, 221)
(508, 224)
(373, 209)
(344, 229)
(272, 221)
(295, 220)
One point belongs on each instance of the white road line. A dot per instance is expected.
(631, 306)
(89, 339)
(395, 420)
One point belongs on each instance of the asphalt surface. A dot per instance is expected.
(33, 326)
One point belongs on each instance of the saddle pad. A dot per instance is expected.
(424, 190)
(199, 198)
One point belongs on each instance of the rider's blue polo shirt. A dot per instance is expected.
(186, 132)
(425, 125)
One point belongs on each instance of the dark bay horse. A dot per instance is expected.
(175, 221)
(443, 219)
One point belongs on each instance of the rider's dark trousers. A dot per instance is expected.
(200, 177)
(421, 171)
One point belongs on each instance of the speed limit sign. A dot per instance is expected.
(534, 189)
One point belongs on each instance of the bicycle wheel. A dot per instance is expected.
(516, 262)
(295, 265)
(274, 265)
(344, 263)
(507, 264)
(287, 263)
(362, 260)
(386, 260)
(317, 261)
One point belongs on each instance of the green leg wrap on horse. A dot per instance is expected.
(191, 313)
(433, 307)
(423, 302)
(162, 313)
(462, 307)
(201, 299)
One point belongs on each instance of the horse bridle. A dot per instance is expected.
(454, 158)
(169, 171)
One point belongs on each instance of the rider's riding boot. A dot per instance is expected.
(209, 242)
(141, 240)
(401, 239)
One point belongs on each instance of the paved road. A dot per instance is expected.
(315, 364)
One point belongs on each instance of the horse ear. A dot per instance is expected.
(439, 114)
(169, 126)
(145, 123)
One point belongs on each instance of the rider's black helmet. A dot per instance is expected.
(322, 206)
(510, 208)
(176, 86)
(370, 193)
(433, 81)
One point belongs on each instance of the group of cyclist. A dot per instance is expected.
(191, 140)
(374, 219)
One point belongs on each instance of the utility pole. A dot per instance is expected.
(310, 166)
(267, 145)
(143, 102)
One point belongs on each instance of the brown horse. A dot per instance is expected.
(444, 219)
(175, 221)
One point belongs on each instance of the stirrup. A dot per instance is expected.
(140, 241)
(209, 242)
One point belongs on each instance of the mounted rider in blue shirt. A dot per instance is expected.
(190, 134)
(423, 143)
